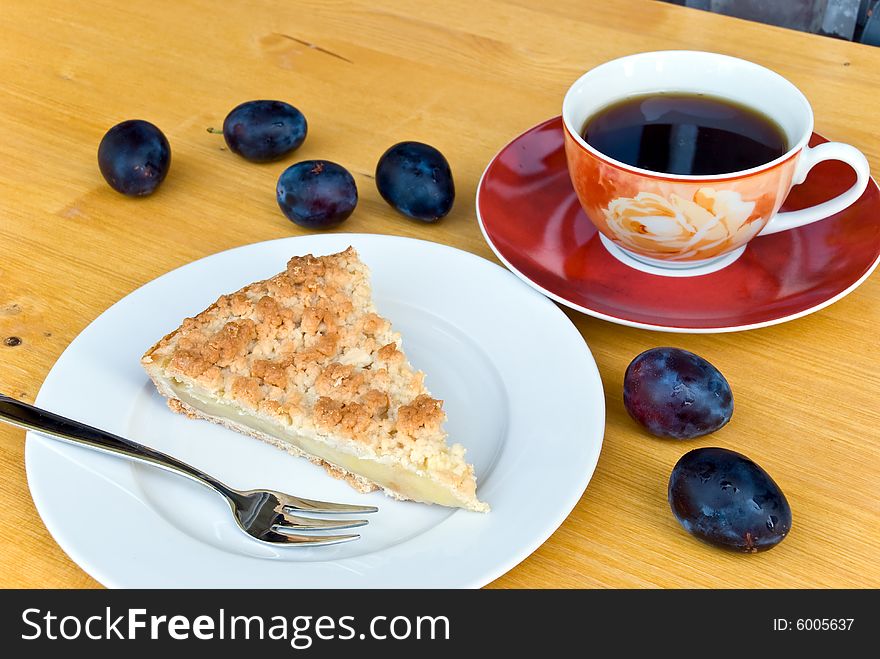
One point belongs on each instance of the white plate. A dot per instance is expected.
(522, 393)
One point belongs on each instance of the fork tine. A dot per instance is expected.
(289, 536)
(299, 504)
(293, 522)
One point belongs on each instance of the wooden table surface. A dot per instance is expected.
(466, 77)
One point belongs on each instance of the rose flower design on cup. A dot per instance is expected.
(700, 228)
(680, 158)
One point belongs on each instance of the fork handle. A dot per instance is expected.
(26, 416)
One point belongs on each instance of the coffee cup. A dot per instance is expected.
(695, 222)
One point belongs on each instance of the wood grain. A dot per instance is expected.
(466, 77)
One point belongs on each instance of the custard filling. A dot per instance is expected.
(406, 483)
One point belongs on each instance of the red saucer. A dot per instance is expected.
(531, 218)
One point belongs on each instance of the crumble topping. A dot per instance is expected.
(307, 348)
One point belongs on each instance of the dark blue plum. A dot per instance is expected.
(725, 499)
(675, 393)
(134, 157)
(317, 194)
(416, 180)
(262, 131)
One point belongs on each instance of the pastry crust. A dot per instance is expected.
(307, 351)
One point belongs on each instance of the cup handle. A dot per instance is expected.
(810, 157)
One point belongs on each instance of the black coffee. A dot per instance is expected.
(680, 133)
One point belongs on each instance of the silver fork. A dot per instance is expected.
(263, 514)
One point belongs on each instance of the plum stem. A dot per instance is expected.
(214, 131)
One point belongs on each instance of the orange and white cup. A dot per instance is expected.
(680, 223)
